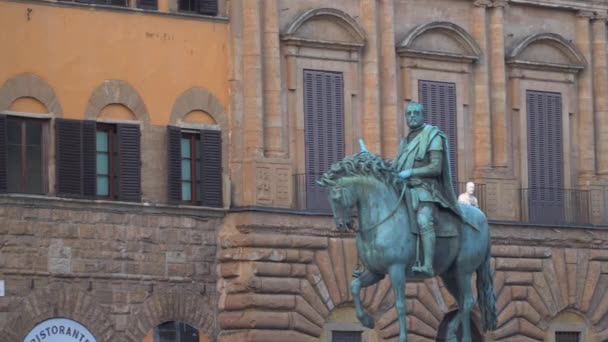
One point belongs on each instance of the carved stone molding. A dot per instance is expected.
(440, 40)
(546, 51)
(30, 85)
(341, 32)
(117, 92)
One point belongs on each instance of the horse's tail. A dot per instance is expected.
(486, 295)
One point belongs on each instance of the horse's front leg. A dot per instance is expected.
(366, 279)
(397, 274)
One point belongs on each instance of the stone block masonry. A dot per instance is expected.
(119, 269)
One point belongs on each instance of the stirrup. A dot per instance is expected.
(424, 270)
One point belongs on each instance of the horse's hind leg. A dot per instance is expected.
(460, 288)
(397, 274)
(366, 279)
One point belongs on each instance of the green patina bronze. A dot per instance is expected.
(407, 210)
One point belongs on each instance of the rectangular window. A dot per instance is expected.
(567, 336)
(147, 4)
(25, 155)
(324, 130)
(106, 162)
(206, 7)
(122, 3)
(191, 167)
(345, 336)
(96, 160)
(195, 167)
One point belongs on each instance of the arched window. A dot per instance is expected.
(174, 331)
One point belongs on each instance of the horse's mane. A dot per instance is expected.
(363, 164)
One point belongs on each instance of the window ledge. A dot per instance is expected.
(42, 201)
(182, 15)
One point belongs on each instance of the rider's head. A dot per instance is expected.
(414, 115)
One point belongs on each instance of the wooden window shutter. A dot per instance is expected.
(68, 144)
(147, 4)
(3, 155)
(129, 155)
(174, 164)
(89, 162)
(439, 101)
(545, 157)
(211, 168)
(324, 130)
(207, 7)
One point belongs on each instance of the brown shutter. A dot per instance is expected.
(147, 4)
(324, 130)
(3, 154)
(211, 168)
(174, 172)
(68, 145)
(89, 159)
(439, 101)
(545, 157)
(130, 162)
(207, 7)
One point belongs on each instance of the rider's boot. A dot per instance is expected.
(428, 246)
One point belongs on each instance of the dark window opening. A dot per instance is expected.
(175, 331)
(147, 4)
(24, 143)
(195, 167)
(191, 167)
(107, 163)
(122, 3)
(567, 336)
(206, 7)
(346, 336)
(324, 132)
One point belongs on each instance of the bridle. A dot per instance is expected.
(342, 188)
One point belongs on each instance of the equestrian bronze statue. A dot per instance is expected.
(407, 210)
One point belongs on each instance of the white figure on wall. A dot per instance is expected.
(468, 196)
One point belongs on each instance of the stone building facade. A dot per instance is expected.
(521, 86)
(123, 262)
(255, 258)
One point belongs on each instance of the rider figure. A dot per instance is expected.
(423, 161)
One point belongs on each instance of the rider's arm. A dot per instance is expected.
(433, 169)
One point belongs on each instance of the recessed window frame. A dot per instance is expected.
(194, 7)
(45, 120)
(113, 161)
(194, 141)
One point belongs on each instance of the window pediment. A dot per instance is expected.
(440, 40)
(327, 28)
(546, 51)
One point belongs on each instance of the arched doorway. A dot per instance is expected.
(174, 331)
(476, 335)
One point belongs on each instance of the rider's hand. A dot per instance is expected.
(405, 173)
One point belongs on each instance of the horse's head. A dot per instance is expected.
(342, 202)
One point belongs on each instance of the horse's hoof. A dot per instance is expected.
(367, 321)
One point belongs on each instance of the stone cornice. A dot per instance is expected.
(592, 5)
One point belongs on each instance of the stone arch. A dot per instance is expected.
(546, 51)
(116, 92)
(59, 300)
(346, 32)
(172, 305)
(197, 98)
(440, 40)
(30, 85)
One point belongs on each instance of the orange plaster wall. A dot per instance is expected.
(28, 105)
(75, 49)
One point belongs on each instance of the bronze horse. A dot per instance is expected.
(386, 245)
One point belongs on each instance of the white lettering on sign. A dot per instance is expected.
(59, 330)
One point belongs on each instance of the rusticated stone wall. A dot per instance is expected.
(119, 269)
(282, 275)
